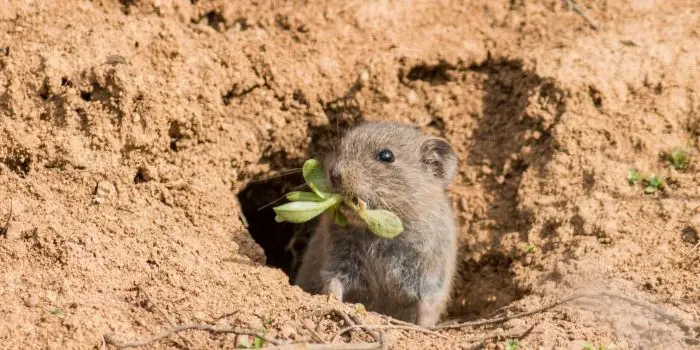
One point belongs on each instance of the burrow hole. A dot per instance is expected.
(284, 243)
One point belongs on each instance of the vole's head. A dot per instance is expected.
(391, 166)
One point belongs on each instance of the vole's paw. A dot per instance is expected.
(426, 314)
(335, 288)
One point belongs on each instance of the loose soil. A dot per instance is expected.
(139, 139)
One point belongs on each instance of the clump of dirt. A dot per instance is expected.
(141, 139)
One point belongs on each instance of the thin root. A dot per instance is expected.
(384, 327)
(573, 5)
(109, 339)
(656, 310)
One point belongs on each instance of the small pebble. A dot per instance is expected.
(148, 173)
(31, 301)
(640, 324)
(12, 231)
(309, 324)
(412, 98)
(695, 222)
(104, 191)
(364, 78)
(51, 296)
(288, 332)
(200, 316)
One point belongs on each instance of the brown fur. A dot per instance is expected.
(408, 277)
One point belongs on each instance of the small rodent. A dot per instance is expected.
(394, 167)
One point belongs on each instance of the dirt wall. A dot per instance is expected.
(135, 135)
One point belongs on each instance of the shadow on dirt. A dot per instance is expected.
(512, 135)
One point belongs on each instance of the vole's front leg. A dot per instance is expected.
(341, 274)
(432, 298)
(427, 313)
(334, 287)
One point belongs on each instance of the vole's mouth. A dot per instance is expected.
(354, 202)
(353, 199)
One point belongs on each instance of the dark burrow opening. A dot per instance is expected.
(283, 243)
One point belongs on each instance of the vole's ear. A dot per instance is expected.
(439, 158)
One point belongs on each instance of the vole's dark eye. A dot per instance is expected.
(385, 156)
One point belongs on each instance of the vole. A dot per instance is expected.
(394, 167)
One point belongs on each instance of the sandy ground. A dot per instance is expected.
(135, 135)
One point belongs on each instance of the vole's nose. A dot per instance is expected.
(335, 177)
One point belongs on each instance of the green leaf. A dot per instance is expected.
(316, 178)
(654, 183)
(303, 196)
(360, 309)
(258, 343)
(340, 219)
(680, 158)
(529, 248)
(382, 223)
(299, 212)
(633, 176)
(512, 344)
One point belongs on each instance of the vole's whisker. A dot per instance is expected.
(295, 188)
(281, 174)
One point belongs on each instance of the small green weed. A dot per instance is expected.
(633, 176)
(589, 346)
(653, 184)
(680, 158)
(57, 312)
(512, 344)
(257, 343)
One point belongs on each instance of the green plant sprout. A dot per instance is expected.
(633, 176)
(679, 158)
(304, 206)
(512, 344)
(653, 184)
(589, 346)
(257, 343)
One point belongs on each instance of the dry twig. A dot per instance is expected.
(632, 301)
(665, 314)
(512, 335)
(221, 317)
(351, 321)
(195, 326)
(342, 346)
(507, 318)
(314, 334)
(386, 326)
(142, 291)
(573, 5)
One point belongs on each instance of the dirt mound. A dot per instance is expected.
(140, 139)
